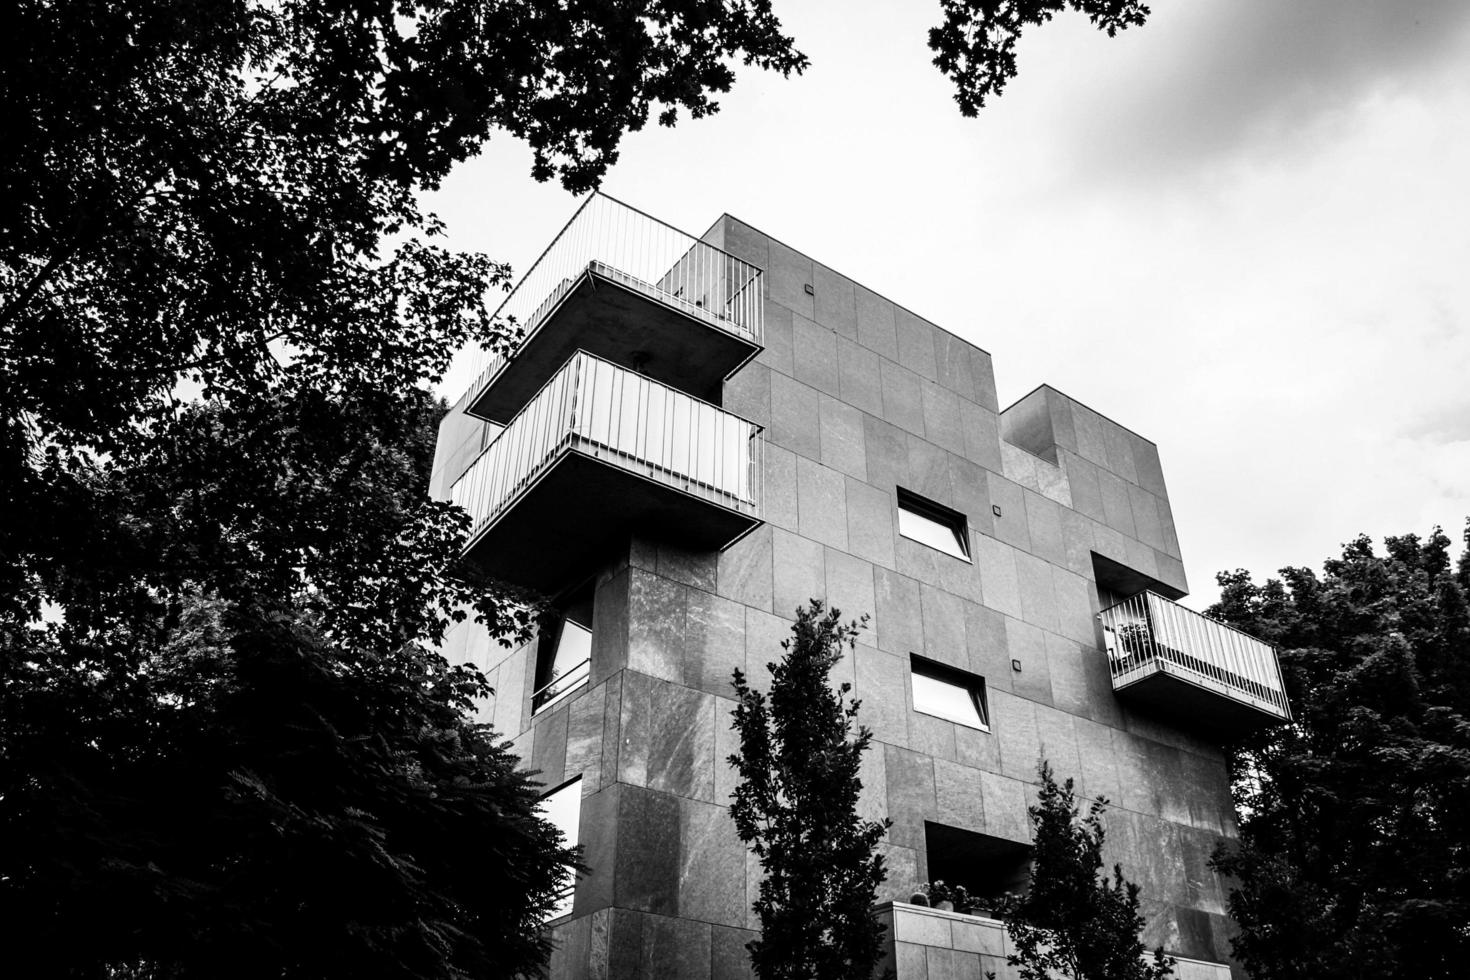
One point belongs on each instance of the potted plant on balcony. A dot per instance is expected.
(948, 898)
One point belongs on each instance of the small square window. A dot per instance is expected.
(562, 808)
(564, 653)
(932, 524)
(953, 695)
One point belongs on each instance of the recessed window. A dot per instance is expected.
(562, 808)
(932, 524)
(988, 867)
(953, 695)
(564, 653)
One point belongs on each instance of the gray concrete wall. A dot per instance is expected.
(859, 397)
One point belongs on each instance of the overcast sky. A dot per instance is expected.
(1242, 230)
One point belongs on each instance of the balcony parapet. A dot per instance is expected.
(972, 945)
(1180, 661)
(634, 290)
(600, 452)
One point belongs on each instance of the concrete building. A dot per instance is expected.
(699, 435)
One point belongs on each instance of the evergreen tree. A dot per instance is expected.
(796, 808)
(1354, 856)
(1074, 921)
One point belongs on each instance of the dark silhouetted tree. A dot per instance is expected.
(1354, 855)
(975, 46)
(796, 806)
(238, 753)
(228, 747)
(1075, 921)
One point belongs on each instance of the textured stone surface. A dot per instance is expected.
(910, 794)
(902, 397)
(656, 622)
(859, 377)
(958, 795)
(729, 958)
(711, 859)
(744, 572)
(793, 409)
(647, 860)
(815, 349)
(899, 612)
(799, 572)
(870, 523)
(880, 685)
(681, 742)
(821, 503)
(715, 642)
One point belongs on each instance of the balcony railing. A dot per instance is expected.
(600, 412)
(559, 687)
(1148, 636)
(616, 243)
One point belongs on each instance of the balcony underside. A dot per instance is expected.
(1168, 690)
(627, 322)
(582, 508)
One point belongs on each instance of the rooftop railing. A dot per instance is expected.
(1147, 633)
(616, 415)
(615, 241)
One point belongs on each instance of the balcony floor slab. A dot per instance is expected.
(629, 323)
(582, 508)
(1161, 688)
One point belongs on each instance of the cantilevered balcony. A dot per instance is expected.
(627, 287)
(600, 452)
(1173, 660)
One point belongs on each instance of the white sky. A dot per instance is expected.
(1242, 230)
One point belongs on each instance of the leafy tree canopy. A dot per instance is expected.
(975, 46)
(1355, 838)
(238, 753)
(232, 737)
(223, 192)
(796, 807)
(1074, 921)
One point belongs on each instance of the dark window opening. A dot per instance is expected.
(933, 524)
(988, 867)
(564, 651)
(951, 694)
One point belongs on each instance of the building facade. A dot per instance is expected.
(698, 435)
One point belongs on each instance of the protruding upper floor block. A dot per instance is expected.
(630, 289)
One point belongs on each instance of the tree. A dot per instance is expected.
(1074, 921)
(223, 193)
(1354, 855)
(796, 808)
(217, 199)
(975, 46)
(239, 753)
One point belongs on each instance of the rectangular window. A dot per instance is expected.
(953, 695)
(564, 653)
(933, 524)
(562, 808)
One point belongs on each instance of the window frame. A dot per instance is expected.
(574, 610)
(945, 518)
(567, 896)
(972, 685)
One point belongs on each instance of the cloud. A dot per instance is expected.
(1252, 78)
